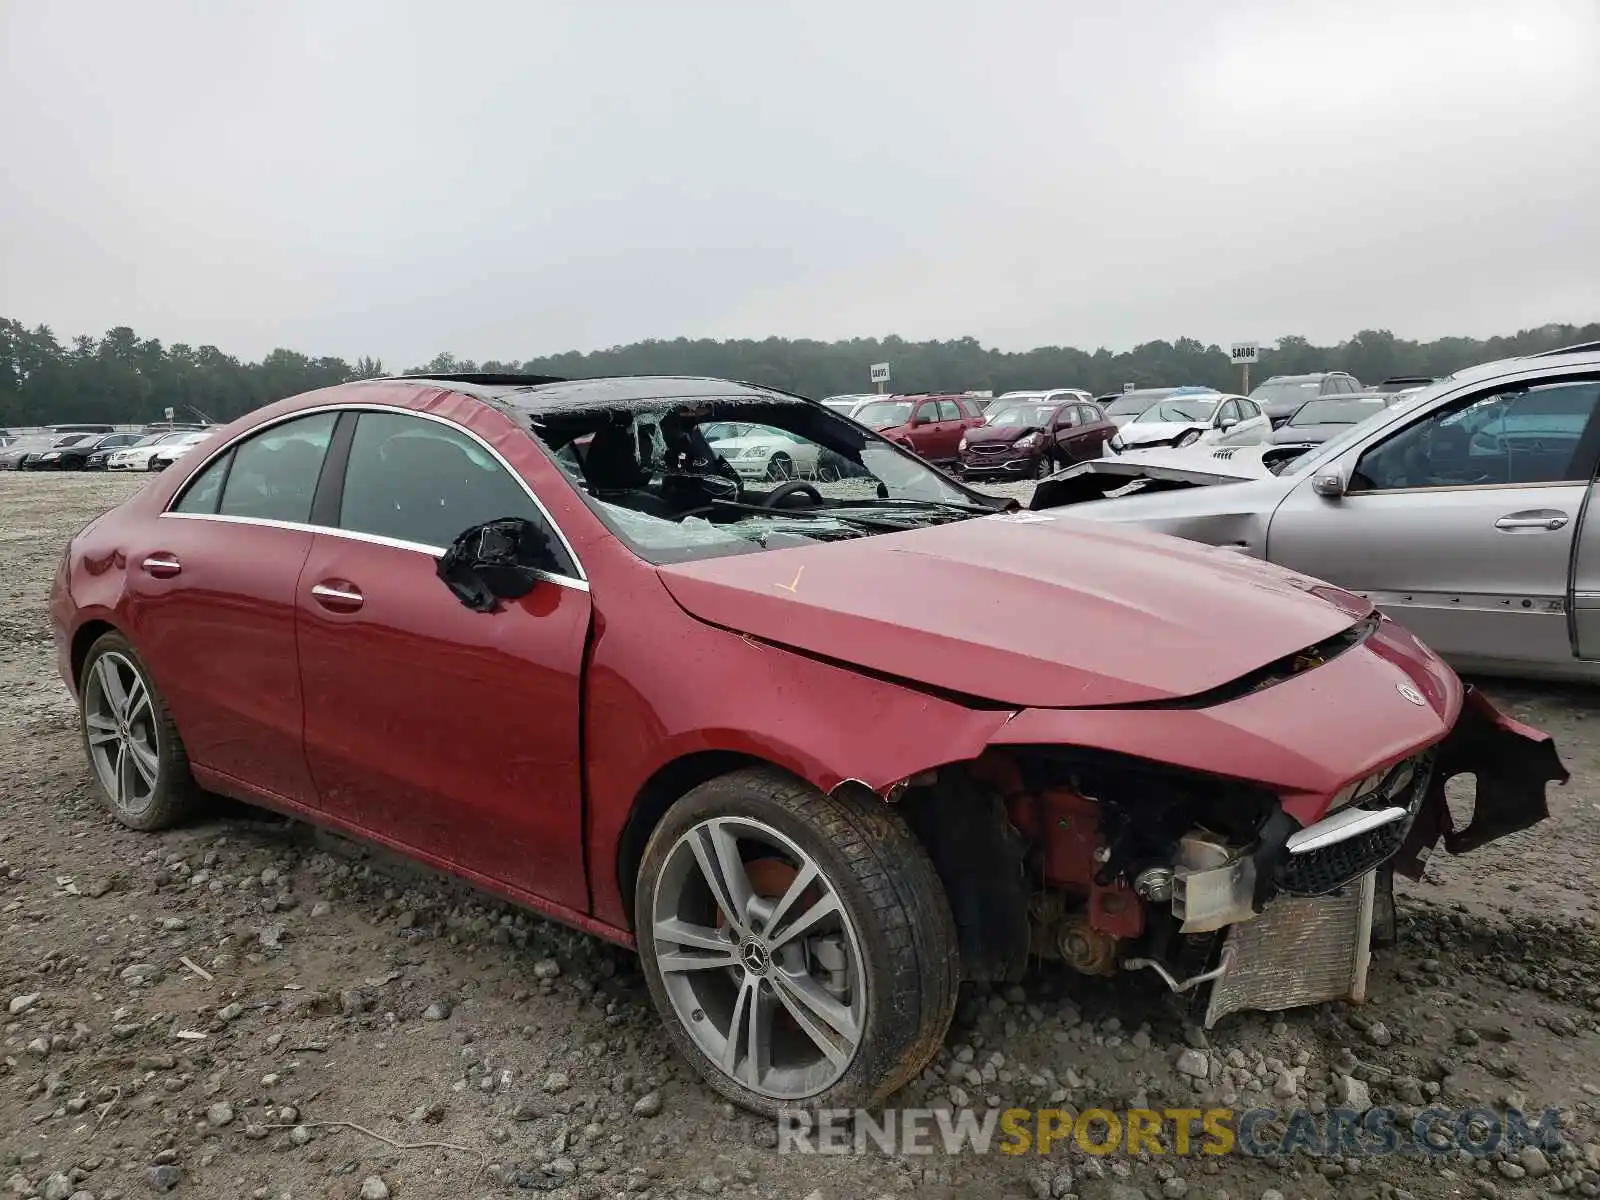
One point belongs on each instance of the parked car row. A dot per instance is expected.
(90, 451)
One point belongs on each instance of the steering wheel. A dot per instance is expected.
(785, 490)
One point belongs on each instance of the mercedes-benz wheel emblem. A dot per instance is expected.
(1410, 693)
(755, 958)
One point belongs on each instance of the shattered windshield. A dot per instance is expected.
(679, 479)
(1131, 404)
(1179, 410)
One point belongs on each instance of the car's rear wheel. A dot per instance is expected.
(137, 758)
(799, 947)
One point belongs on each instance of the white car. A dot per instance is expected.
(760, 451)
(1051, 396)
(174, 447)
(137, 456)
(1198, 418)
(847, 406)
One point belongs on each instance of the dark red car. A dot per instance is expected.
(930, 426)
(820, 749)
(1030, 440)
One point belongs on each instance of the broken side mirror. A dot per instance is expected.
(498, 560)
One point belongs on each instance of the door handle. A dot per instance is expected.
(343, 597)
(162, 566)
(1550, 522)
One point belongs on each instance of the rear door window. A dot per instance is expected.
(948, 411)
(274, 474)
(205, 489)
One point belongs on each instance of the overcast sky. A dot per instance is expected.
(508, 179)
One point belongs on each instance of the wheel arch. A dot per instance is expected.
(85, 636)
(670, 783)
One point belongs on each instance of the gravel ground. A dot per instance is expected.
(215, 1011)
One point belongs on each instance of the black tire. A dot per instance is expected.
(780, 468)
(175, 796)
(894, 899)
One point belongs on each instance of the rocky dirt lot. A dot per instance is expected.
(244, 1009)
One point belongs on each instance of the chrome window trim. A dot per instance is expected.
(351, 535)
(358, 407)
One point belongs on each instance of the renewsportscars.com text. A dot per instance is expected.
(1180, 1132)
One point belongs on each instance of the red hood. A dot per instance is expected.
(1031, 610)
(999, 433)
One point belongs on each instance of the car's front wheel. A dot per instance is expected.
(138, 760)
(799, 946)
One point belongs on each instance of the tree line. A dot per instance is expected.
(124, 378)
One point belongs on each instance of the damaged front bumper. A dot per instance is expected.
(1297, 909)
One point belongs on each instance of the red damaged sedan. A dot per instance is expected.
(819, 749)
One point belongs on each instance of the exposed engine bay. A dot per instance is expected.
(1107, 864)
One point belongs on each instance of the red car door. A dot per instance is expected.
(1065, 435)
(1091, 433)
(211, 603)
(922, 430)
(448, 732)
(943, 434)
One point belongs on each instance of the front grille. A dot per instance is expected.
(1327, 870)
(982, 448)
(1318, 872)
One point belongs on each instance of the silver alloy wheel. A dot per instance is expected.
(120, 722)
(768, 980)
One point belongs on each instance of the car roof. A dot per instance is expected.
(1581, 349)
(1586, 355)
(536, 394)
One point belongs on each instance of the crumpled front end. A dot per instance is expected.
(1114, 863)
(1311, 940)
